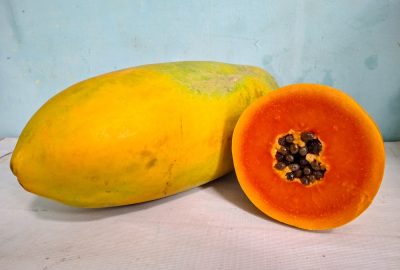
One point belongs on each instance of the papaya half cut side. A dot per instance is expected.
(309, 156)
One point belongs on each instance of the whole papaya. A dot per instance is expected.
(136, 134)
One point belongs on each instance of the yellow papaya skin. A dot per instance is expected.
(136, 134)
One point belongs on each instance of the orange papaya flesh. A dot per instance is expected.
(351, 156)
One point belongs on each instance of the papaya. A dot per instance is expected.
(309, 156)
(136, 134)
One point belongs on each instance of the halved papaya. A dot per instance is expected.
(309, 156)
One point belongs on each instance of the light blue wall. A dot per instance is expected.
(354, 45)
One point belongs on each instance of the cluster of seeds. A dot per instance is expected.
(293, 156)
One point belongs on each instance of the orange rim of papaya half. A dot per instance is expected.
(352, 153)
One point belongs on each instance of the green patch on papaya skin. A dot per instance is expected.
(211, 77)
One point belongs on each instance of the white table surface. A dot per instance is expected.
(209, 227)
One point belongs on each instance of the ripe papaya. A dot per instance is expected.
(136, 134)
(309, 156)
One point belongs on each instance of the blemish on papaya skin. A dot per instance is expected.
(169, 177)
(149, 157)
(94, 178)
(145, 153)
(161, 142)
(171, 166)
(167, 184)
(151, 163)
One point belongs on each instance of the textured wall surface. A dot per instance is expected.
(47, 45)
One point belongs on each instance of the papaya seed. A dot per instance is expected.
(289, 138)
(289, 158)
(305, 181)
(303, 151)
(279, 156)
(303, 162)
(294, 166)
(280, 166)
(283, 150)
(282, 141)
(294, 148)
(307, 136)
(315, 165)
(318, 175)
(314, 146)
(306, 170)
(290, 176)
(298, 173)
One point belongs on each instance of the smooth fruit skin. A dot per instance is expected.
(353, 153)
(137, 134)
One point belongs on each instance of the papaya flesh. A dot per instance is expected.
(137, 134)
(349, 154)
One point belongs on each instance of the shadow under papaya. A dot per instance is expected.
(55, 211)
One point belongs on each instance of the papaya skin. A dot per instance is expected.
(353, 152)
(137, 134)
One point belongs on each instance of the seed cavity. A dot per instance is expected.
(297, 156)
